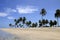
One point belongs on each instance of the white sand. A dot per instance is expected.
(30, 34)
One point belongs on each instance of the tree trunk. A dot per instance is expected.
(57, 22)
(42, 19)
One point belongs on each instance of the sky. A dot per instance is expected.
(13, 9)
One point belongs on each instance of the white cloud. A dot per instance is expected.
(27, 9)
(21, 9)
(9, 10)
(10, 17)
(3, 14)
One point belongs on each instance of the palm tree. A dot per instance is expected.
(57, 15)
(15, 22)
(28, 23)
(21, 25)
(33, 25)
(51, 23)
(24, 19)
(10, 24)
(40, 23)
(46, 21)
(36, 24)
(55, 22)
(20, 19)
(43, 13)
(43, 22)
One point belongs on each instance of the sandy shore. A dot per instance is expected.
(29, 33)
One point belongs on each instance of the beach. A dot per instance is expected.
(30, 33)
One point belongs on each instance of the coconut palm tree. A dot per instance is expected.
(43, 13)
(10, 24)
(51, 23)
(20, 19)
(43, 22)
(15, 22)
(57, 15)
(21, 25)
(46, 21)
(24, 19)
(55, 22)
(36, 24)
(33, 25)
(40, 23)
(28, 23)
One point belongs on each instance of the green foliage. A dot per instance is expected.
(20, 22)
(33, 25)
(23, 20)
(10, 24)
(52, 23)
(55, 22)
(28, 23)
(57, 15)
(43, 12)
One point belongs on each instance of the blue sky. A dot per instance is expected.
(13, 9)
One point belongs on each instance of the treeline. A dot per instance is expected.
(22, 21)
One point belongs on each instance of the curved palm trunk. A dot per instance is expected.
(42, 19)
(57, 22)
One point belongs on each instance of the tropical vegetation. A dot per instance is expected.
(22, 21)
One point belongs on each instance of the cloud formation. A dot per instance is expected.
(9, 10)
(2, 14)
(10, 17)
(26, 9)
(21, 9)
